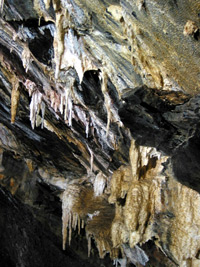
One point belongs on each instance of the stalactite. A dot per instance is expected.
(56, 4)
(87, 129)
(70, 226)
(70, 106)
(75, 55)
(152, 197)
(35, 106)
(66, 104)
(82, 224)
(64, 228)
(69, 49)
(30, 86)
(62, 101)
(83, 116)
(79, 225)
(122, 262)
(89, 244)
(43, 113)
(47, 3)
(106, 99)
(91, 158)
(62, 98)
(70, 218)
(59, 42)
(67, 92)
(14, 98)
(101, 131)
(1, 5)
(135, 255)
(62, 25)
(101, 248)
(37, 7)
(26, 58)
(99, 184)
(79, 201)
(55, 100)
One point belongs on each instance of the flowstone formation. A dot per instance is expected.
(99, 132)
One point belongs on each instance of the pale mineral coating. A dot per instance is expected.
(141, 193)
(159, 206)
(14, 99)
(155, 207)
(80, 204)
(184, 228)
(159, 51)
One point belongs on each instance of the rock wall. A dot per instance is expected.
(99, 129)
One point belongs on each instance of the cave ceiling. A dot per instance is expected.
(99, 131)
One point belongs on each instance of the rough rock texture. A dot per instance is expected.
(99, 133)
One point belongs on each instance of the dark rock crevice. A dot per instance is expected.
(26, 242)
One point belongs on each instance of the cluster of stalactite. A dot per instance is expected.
(138, 203)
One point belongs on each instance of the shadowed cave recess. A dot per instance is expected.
(99, 133)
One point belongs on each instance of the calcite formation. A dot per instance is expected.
(148, 203)
(99, 115)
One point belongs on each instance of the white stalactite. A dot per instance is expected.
(26, 58)
(87, 129)
(35, 106)
(91, 158)
(106, 99)
(75, 55)
(99, 184)
(66, 105)
(70, 219)
(61, 107)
